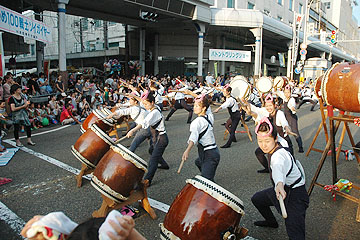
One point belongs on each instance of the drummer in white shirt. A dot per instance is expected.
(180, 102)
(137, 114)
(234, 112)
(279, 120)
(158, 91)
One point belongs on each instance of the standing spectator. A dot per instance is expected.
(59, 85)
(209, 79)
(110, 80)
(6, 87)
(32, 84)
(1, 90)
(18, 106)
(97, 100)
(23, 80)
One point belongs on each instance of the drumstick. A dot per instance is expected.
(119, 140)
(181, 165)
(282, 206)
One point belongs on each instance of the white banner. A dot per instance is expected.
(229, 55)
(19, 24)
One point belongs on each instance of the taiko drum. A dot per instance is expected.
(202, 210)
(104, 124)
(118, 173)
(341, 87)
(280, 82)
(91, 146)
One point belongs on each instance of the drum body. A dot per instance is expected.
(341, 87)
(202, 210)
(118, 173)
(91, 146)
(189, 99)
(280, 82)
(264, 84)
(240, 88)
(104, 125)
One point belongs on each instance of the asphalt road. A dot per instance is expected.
(40, 187)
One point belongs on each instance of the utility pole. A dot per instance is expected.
(106, 38)
(81, 35)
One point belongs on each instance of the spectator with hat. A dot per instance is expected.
(97, 100)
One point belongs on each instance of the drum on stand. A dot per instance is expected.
(105, 124)
(318, 86)
(118, 173)
(264, 84)
(91, 146)
(280, 82)
(202, 210)
(240, 88)
(341, 87)
(189, 99)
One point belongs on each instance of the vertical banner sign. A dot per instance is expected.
(215, 69)
(281, 59)
(2, 60)
(46, 68)
(16, 23)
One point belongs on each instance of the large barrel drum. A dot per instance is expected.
(91, 146)
(105, 124)
(118, 173)
(318, 86)
(202, 210)
(341, 87)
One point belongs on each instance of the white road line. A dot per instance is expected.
(11, 219)
(48, 159)
(41, 133)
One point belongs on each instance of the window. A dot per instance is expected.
(290, 23)
(230, 3)
(113, 44)
(291, 5)
(280, 2)
(300, 8)
(266, 12)
(84, 24)
(327, 5)
(32, 49)
(97, 23)
(279, 18)
(251, 5)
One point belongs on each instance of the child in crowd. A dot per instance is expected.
(67, 116)
(32, 117)
(86, 111)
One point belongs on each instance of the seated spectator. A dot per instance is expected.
(97, 100)
(86, 111)
(67, 116)
(32, 117)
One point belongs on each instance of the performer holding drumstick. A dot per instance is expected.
(155, 121)
(201, 132)
(290, 114)
(138, 115)
(288, 179)
(234, 112)
(278, 118)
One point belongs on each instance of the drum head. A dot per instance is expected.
(239, 77)
(240, 88)
(264, 84)
(130, 156)
(279, 82)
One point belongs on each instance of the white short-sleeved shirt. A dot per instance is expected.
(199, 125)
(152, 118)
(230, 102)
(137, 113)
(180, 95)
(280, 164)
(158, 95)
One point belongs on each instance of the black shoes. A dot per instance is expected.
(266, 224)
(166, 167)
(265, 170)
(226, 146)
(301, 150)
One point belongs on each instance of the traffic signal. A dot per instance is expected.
(333, 37)
(148, 16)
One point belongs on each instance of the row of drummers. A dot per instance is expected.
(117, 172)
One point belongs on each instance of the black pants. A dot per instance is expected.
(207, 162)
(260, 155)
(180, 104)
(296, 203)
(313, 102)
(293, 123)
(235, 119)
(17, 128)
(156, 156)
